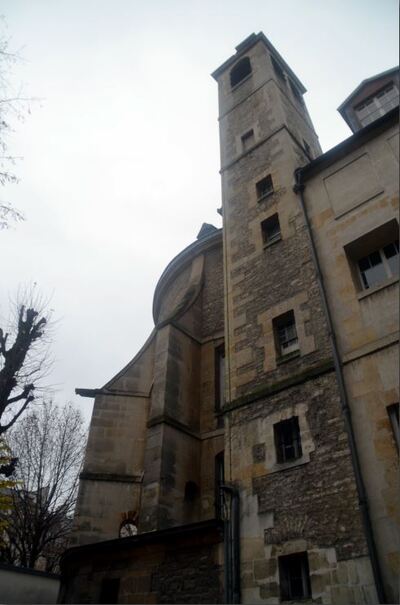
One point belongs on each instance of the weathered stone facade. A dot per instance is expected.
(242, 383)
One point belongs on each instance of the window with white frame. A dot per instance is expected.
(377, 105)
(374, 256)
(380, 265)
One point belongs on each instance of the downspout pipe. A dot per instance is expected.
(232, 546)
(299, 188)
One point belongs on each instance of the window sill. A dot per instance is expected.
(264, 197)
(284, 466)
(238, 85)
(386, 284)
(274, 241)
(288, 357)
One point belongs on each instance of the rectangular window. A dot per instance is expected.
(247, 140)
(109, 590)
(219, 382)
(374, 257)
(393, 411)
(377, 105)
(286, 334)
(379, 265)
(219, 480)
(287, 440)
(264, 187)
(271, 230)
(294, 577)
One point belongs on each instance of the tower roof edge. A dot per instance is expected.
(245, 46)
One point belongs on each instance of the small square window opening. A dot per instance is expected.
(294, 577)
(264, 187)
(271, 230)
(287, 440)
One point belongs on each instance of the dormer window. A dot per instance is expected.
(377, 105)
(240, 71)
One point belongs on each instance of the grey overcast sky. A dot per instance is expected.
(121, 155)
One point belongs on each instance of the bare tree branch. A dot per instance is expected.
(24, 357)
(14, 106)
(49, 443)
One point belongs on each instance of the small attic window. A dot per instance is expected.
(240, 71)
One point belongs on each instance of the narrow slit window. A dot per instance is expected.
(393, 412)
(287, 440)
(219, 480)
(219, 382)
(247, 140)
(264, 187)
(271, 230)
(294, 577)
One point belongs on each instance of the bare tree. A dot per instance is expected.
(24, 357)
(49, 443)
(14, 106)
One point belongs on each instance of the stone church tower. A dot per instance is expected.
(285, 440)
(222, 464)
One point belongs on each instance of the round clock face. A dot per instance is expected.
(127, 529)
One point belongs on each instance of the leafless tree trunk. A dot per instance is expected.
(49, 443)
(24, 359)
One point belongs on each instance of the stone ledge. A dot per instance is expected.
(170, 421)
(271, 389)
(111, 477)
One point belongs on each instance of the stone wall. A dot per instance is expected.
(176, 566)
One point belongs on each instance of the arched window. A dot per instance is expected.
(240, 71)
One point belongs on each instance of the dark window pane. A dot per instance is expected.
(240, 71)
(294, 577)
(109, 590)
(271, 230)
(287, 440)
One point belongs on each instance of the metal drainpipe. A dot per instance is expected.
(362, 495)
(232, 547)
